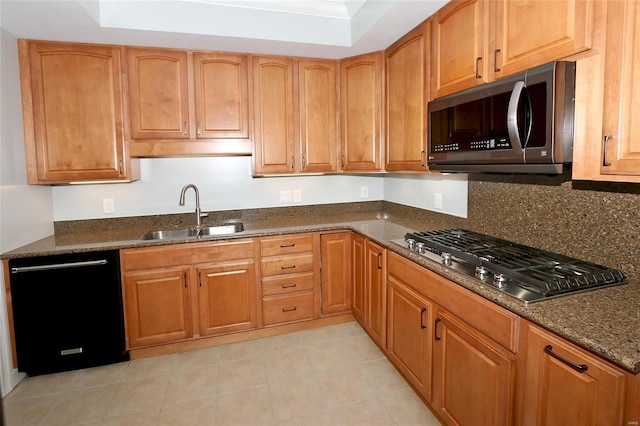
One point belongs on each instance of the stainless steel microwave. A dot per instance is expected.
(519, 124)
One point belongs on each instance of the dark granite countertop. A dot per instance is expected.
(605, 321)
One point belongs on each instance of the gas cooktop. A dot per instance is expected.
(523, 272)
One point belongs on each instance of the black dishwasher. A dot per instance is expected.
(67, 311)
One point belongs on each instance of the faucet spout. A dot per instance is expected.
(199, 214)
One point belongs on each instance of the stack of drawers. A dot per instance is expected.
(288, 271)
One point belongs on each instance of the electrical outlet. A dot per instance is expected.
(364, 192)
(437, 200)
(108, 205)
(297, 195)
(285, 196)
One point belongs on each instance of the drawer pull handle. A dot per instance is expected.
(289, 285)
(288, 267)
(289, 309)
(71, 351)
(422, 311)
(578, 367)
(287, 245)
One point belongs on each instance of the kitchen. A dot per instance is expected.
(574, 217)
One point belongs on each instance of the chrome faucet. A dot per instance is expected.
(199, 214)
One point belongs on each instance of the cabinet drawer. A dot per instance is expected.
(291, 264)
(185, 254)
(495, 322)
(287, 283)
(286, 244)
(288, 308)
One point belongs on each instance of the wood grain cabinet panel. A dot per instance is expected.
(361, 112)
(73, 113)
(375, 279)
(317, 122)
(273, 97)
(358, 305)
(335, 253)
(567, 385)
(407, 68)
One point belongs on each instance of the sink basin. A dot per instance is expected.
(174, 234)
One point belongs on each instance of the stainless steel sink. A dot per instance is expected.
(197, 232)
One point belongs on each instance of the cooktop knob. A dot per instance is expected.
(420, 248)
(500, 281)
(481, 271)
(446, 258)
(411, 244)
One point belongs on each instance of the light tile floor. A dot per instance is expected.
(333, 375)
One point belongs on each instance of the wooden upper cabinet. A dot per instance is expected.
(459, 44)
(318, 129)
(158, 94)
(221, 95)
(407, 87)
(361, 112)
(73, 113)
(621, 128)
(273, 97)
(562, 28)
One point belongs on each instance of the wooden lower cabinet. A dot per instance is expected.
(568, 386)
(335, 254)
(375, 281)
(227, 297)
(177, 292)
(158, 306)
(357, 278)
(409, 334)
(473, 377)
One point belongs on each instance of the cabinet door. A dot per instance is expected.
(375, 293)
(459, 44)
(318, 115)
(158, 94)
(222, 95)
(157, 306)
(335, 252)
(562, 28)
(409, 332)
(407, 87)
(566, 385)
(473, 376)
(273, 96)
(227, 297)
(361, 112)
(72, 107)
(357, 278)
(621, 128)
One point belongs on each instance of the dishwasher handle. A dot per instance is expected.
(18, 269)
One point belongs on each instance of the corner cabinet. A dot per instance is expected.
(72, 103)
(361, 112)
(173, 293)
(369, 288)
(335, 267)
(188, 103)
(407, 84)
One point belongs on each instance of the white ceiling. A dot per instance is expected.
(313, 28)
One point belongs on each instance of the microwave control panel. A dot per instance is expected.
(483, 145)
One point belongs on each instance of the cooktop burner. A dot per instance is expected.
(524, 272)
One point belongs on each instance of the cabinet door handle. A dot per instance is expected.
(293, 159)
(495, 60)
(605, 143)
(303, 164)
(199, 128)
(478, 59)
(422, 311)
(378, 261)
(578, 367)
(288, 267)
(423, 157)
(342, 161)
(199, 278)
(294, 285)
(289, 309)
(435, 329)
(186, 128)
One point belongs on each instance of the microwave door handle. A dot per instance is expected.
(512, 118)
